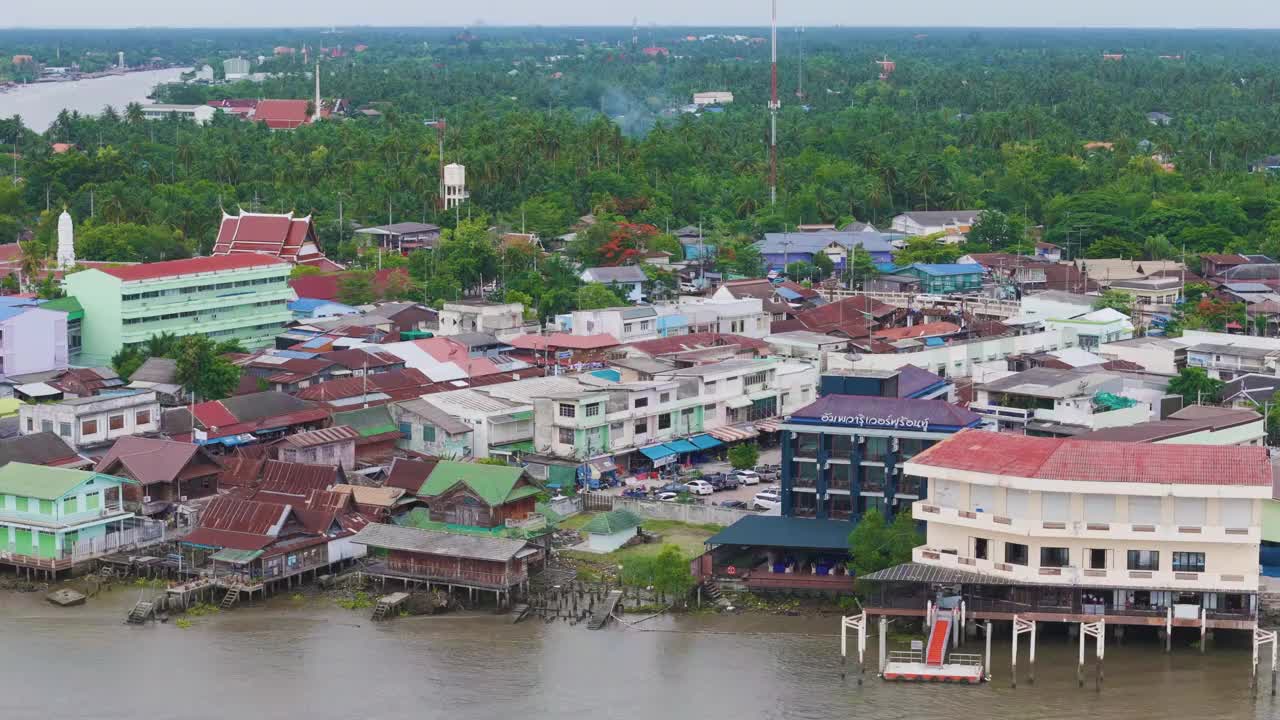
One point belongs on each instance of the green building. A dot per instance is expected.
(227, 297)
(945, 278)
(51, 518)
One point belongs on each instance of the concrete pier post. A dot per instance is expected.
(1080, 662)
(986, 657)
(884, 642)
(1204, 615)
(1013, 666)
(1032, 659)
(1168, 630)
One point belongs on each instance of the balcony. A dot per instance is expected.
(1081, 530)
(1088, 577)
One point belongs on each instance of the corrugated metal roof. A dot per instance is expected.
(324, 436)
(430, 542)
(921, 573)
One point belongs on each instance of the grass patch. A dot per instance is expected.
(201, 609)
(577, 522)
(360, 601)
(183, 624)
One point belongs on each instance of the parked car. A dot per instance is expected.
(635, 492)
(673, 487)
(699, 487)
(767, 499)
(721, 481)
(734, 504)
(668, 496)
(748, 477)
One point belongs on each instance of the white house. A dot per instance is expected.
(712, 97)
(94, 420)
(502, 320)
(199, 114)
(627, 280)
(952, 222)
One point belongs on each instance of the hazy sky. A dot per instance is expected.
(1018, 13)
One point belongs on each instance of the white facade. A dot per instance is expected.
(744, 316)
(33, 340)
(200, 114)
(1097, 328)
(502, 320)
(236, 68)
(714, 97)
(94, 420)
(1155, 354)
(959, 359)
(985, 523)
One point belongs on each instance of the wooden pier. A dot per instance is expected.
(604, 612)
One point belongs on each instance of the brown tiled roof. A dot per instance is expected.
(152, 460)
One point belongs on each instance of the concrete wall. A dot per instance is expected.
(959, 359)
(695, 514)
(34, 341)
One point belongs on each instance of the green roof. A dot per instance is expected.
(762, 530)
(46, 483)
(612, 522)
(68, 305)
(521, 445)
(368, 421)
(495, 484)
(420, 518)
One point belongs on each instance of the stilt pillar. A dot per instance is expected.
(884, 642)
(986, 656)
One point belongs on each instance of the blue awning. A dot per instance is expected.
(705, 442)
(682, 446)
(657, 452)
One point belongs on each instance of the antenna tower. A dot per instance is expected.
(773, 107)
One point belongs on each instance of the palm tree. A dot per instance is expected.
(31, 264)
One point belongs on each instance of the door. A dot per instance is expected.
(22, 542)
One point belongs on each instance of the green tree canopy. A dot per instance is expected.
(594, 296)
(1195, 386)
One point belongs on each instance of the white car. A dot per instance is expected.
(767, 500)
(748, 477)
(668, 497)
(699, 487)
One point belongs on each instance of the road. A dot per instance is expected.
(744, 492)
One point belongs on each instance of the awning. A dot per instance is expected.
(765, 426)
(705, 442)
(734, 434)
(236, 557)
(738, 402)
(682, 446)
(518, 446)
(603, 465)
(657, 452)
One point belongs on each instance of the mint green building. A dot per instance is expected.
(51, 518)
(227, 297)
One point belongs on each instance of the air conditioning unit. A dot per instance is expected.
(146, 498)
(182, 498)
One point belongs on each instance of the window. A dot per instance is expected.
(115, 422)
(642, 427)
(1055, 507)
(627, 327)
(981, 548)
(644, 325)
(1144, 560)
(428, 433)
(755, 378)
(708, 412)
(1054, 557)
(1188, 562)
(89, 427)
(566, 436)
(642, 402)
(1097, 559)
(664, 397)
(710, 387)
(664, 421)
(406, 430)
(31, 425)
(46, 426)
(1015, 553)
(686, 414)
(567, 410)
(142, 417)
(593, 409)
(64, 429)
(1144, 510)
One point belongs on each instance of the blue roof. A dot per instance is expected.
(8, 312)
(705, 442)
(306, 304)
(610, 375)
(948, 268)
(657, 452)
(787, 293)
(886, 267)
(682, 446)
(296, 354)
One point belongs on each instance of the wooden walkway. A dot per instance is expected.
(603, 613)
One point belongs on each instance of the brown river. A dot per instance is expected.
(309, 658)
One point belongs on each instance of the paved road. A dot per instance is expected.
(744, 492)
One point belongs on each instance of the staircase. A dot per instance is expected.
(141, 612)
(712, 590)
(936, 650)
(381, 610)
(230, 599)
(519, 612)
(605, 610)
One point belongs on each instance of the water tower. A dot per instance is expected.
(455, 185)
(120, 59)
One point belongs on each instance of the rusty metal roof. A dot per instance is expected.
(324, 436)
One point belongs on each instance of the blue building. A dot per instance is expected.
(316, 308)
(779, 249)
(843, 454)
(946, 278)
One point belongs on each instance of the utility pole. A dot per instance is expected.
(773, 107)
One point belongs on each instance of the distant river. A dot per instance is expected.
(40, 103)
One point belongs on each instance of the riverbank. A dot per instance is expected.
(40, 103)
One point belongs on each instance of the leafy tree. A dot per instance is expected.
(594, 296)
(799, 270)
(48, 289)
(668, 244)
(927, 249)
(1271, 412)
(869, 544)
(1158, 247)
(126, 361)
(356, 287)
(1114, 246)
(671, 574)
(823, 267)
(997, 229)
(744, 456)
(1195, 386)
(399, 286)
(1116, 300)
(862, 267)
(202, 370)
(304, 271)
(903, 537)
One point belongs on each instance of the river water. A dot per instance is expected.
(40, 103)
(311, 659)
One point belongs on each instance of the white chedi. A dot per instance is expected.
(66, 242)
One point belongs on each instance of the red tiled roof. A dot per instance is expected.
(564, 340)
(282, 114)
(933, 329)
(325, 287)
(189, 266)
(1099, 461)
(284, 236)
(696, 341)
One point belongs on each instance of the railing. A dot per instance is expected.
(971, 659)
(144, 533)
(906, 656)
